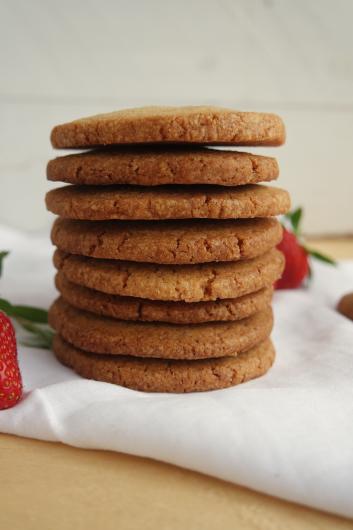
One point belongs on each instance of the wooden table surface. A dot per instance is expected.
(50, 486)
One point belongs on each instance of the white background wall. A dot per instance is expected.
(63, 60)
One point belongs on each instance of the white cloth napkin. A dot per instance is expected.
(289, 434)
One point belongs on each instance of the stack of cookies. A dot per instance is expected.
(166, 253)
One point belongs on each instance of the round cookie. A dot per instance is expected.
(345, 305)
(99, 334)
(154, 167)
(128, 308)
(189, 283)
(167, 202)
(168, 242)
(193, 125)
(157, 375)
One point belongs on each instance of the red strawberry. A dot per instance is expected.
(10, 376)
(297, 267)
(297, 263)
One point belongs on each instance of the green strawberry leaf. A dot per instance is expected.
(3, 254)
(35, 342)
(32, 319)
(6, 307)
(321, 257)
(33, 314)
(41, 334)
(294, 218)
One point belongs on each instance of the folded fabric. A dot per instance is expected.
(288, 434)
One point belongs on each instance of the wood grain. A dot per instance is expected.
(50, 485)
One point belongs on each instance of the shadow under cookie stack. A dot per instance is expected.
(166, 253)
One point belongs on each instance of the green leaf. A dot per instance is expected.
(41, 334)
(321, 257)
(37, 329)
(295, 217)
(33, 314)
(6, 307)
(35, 342)
(3, 254)
(32, 319)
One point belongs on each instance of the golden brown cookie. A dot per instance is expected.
(345, 305)
(157, 375)
(99, 334)
(93, 203)
(157, 166)
(192, 125)
(189, 283)
(168, 242)
(129, 308)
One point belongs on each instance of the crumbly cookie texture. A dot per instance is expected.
(104, 335)
(168, 242)
(193, 125)
(129, 308)
(189, 283)
(154, 167)
(157, 375)
(93, 203)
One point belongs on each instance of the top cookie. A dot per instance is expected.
(153, 167)
(192, 125)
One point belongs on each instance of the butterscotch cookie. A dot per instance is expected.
(99, 334)
(128, 308)
(155, 166)
(167, 202)
(193, 125)
(168, 242)
(189, 283)
(157, 375)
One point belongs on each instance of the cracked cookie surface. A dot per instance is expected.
(105, 335)
(157, 375)
(193, 125)
(156, 166)
(167, 202)
(190, 283)
(129, 308)
(168, 242)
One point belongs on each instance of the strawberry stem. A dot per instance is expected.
(33, 314)
(32, 319)
(294, 219)
(41, 335)
(321, 257)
